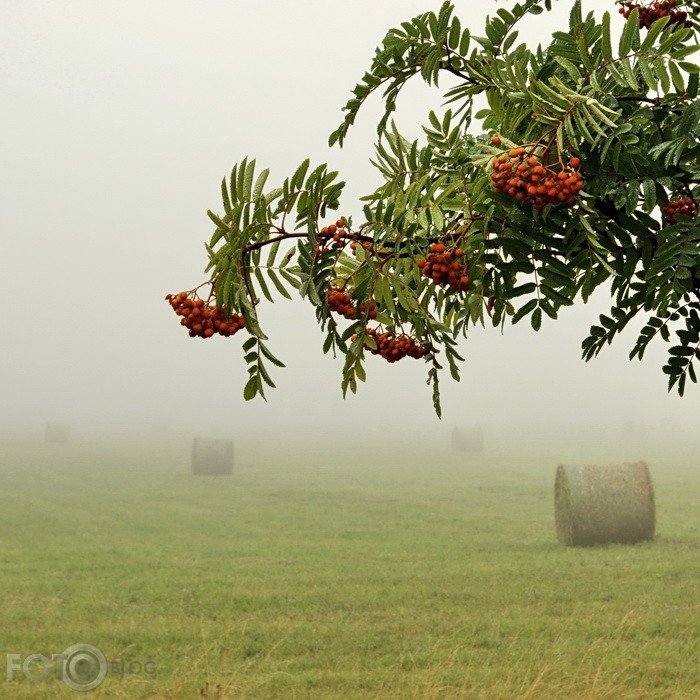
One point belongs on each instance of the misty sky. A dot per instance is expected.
(119, 121)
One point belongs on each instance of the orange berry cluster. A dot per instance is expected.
(332, 233)
(204, 320)
(367, 245)
(648, 14)
(371, 309)
(679, 207)
(441, 266)
(342, 304)
(525, 178)
(394, 347)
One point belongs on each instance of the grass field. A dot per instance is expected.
(374, 572)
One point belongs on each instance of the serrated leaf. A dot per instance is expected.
(556, 296)
(272, 253)
(219, 222)
(649, 194)
(524, 310)
(605, 41)
(455, 33)
(251, 388)
(437, 217)
(632, 199)
(260, 184)
(629, 32)
(265, 376)
(676, 77)
(263, 284)
(266, 352)
(278, 284)
(225, 197)
(292, 279)
(520, 290)
(464, 42)
(299, 175)
(246, 189)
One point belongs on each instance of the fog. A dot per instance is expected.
(119, 121)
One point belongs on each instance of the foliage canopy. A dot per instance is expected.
(483, 222)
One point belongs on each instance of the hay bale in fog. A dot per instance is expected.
(467, 440)
(57, 432)
(604, 504)
(212, 456)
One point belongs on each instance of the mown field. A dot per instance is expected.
(364, 571)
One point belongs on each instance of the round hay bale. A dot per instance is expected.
(604, 504)
(57, 432)
(467, 440)
(211, 456)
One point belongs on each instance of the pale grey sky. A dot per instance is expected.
(119, 121)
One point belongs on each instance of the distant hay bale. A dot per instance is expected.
(467, 440)
(56, 432)
(211, 456)
(604, 504)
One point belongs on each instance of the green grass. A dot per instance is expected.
(415, 573)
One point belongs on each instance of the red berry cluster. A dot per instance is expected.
(680, 207)
(525, 178)
(204, 320)
(648, 14)
(342, 304)
(442, 266)
(394, 347)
